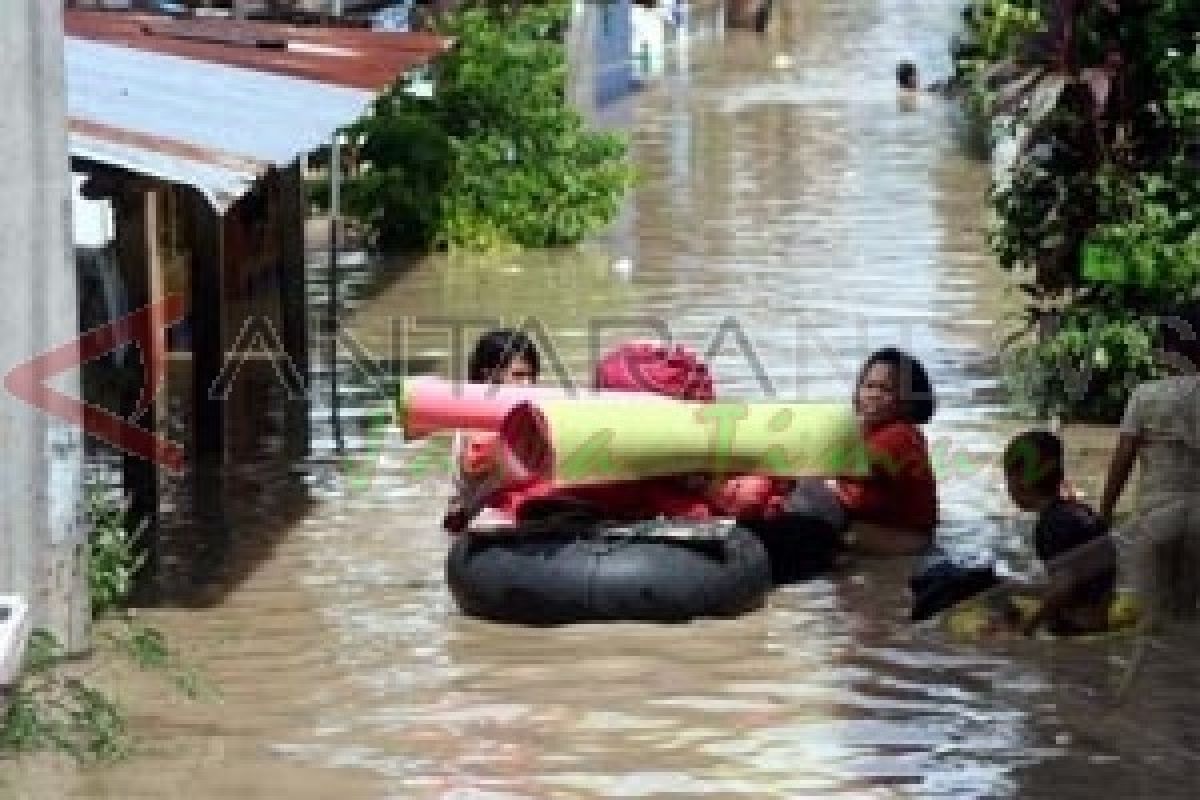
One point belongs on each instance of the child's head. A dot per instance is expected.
(1179, 339)
(1033, 469)
(906, 75)
(893, 386)
(504, 356)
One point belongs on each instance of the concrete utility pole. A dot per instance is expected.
(42, 544)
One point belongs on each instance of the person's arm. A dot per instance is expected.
(1119, 469)
(1067, 573)
(892, 452)
(859, 495)
(476, 466)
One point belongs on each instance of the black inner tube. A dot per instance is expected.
(635, 573)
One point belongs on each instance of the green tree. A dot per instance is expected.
(1099, 216)
(495, 157)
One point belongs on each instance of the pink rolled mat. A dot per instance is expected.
(428, 405)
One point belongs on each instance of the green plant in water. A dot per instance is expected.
(1086, 368)
(53, 707)
(113, 556)
(994, 32)
(495, 157)
(360, 470)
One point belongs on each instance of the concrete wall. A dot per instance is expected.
(41, 541)
(600, 42)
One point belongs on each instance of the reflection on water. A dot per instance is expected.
(791, 217)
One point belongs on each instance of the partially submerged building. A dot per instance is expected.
(186, 138)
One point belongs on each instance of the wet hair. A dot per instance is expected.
(497, 349)
(919, 402)
(1179, 337)
(1036, 458)
(906, 75)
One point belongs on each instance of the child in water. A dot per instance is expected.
(894, 509)
(1081, 579)
(1161, 431)
(503, 357)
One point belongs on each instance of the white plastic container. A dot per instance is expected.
(14, 631)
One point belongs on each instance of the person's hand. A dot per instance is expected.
(455, 521)
(741, 496)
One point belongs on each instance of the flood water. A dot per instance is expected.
(790, 207)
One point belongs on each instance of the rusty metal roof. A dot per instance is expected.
(352, 57)
(214, 104)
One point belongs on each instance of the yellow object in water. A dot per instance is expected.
(975, 618)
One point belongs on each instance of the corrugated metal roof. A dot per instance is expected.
(222, 185)
(210, 125)
(361, 59)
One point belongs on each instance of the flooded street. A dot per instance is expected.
(793, 215)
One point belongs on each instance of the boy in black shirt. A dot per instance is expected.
(1081, 578)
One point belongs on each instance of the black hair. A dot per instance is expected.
(1179, 338)
(497, 349)
(919, 401)
(1036, 457)
(906, 74)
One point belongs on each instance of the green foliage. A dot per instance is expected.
(1100, 214)
(55, 708)
(52, 709)
(113, 557)
(1003, 25)
(994, 32)
(1086, 368)
(149, 649)
(1155, 234)
(495, 157)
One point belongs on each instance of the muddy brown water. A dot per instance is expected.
(794, 202)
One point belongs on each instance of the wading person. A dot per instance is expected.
(505, 358)
(894, 509)
(1068, 539)
(1160, 432)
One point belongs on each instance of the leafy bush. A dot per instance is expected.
(995, 32)
(53, 707)
(53, 710)
(1086, 368)
(495, 156)
(1099, 215)
(113, 557)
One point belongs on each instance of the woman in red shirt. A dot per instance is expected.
(894, 509)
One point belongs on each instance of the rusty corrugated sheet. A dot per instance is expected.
(350, 57)
(218, 122)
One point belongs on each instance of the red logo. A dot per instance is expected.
(28, 381)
